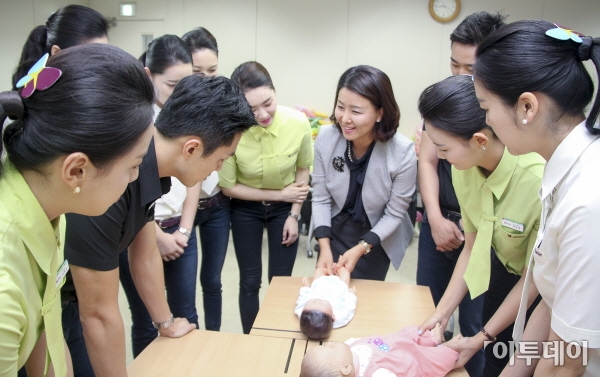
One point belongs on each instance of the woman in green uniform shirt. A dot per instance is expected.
(79, 130)
(268, 181)
(500, 211)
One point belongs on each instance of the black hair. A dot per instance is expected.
(251, 75)
(164, 52)
(374, 85)
(200, 38)
(521, 58)
(315, 324)
(212, 108)
(69, 26)
(100, 106)
(451, 105)
(475, 27)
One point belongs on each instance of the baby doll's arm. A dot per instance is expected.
(344, 275)
(320, 271)
(302, 299)
(345, 312)
(305, 282)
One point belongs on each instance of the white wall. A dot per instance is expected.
(305, 44)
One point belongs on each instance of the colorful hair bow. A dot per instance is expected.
(564, 34)
(39, 77)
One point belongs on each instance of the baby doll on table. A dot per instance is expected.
(405, 353)
(327, 303)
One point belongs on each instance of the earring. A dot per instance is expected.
(483, 147)
(77, 190)
(524, 121)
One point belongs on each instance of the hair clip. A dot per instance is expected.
(39, 77)
(563, 34)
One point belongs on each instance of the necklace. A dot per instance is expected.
(349, 151)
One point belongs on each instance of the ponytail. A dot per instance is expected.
(33, 50)
(143, 58)
(590, 49)
(69, 26)
(11, 107)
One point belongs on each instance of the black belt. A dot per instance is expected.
(206, 203)
(267, 203)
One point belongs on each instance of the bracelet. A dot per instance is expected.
(365, 245)
(164, 325)
(490, 337)
(184, 231)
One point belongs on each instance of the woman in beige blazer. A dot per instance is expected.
(364, 178)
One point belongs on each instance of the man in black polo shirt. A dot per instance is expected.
(197, 129)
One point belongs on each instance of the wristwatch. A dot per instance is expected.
(164, 325)
(297, 217)
(184, 231)
(365, 245)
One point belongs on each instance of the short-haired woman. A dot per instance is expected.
(364, 178)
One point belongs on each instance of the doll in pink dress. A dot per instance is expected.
(401, 354)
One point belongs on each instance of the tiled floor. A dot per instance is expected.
(230, 278)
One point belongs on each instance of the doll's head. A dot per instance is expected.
(316, 320)
(332, 359)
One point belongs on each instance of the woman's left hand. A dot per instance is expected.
(349, 259)
(290, 231)
(466, 348)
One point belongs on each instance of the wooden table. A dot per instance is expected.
(208, 353)
(277, 351)
(382, 308)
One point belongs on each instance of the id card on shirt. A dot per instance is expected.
(513, 225)
(62, 272)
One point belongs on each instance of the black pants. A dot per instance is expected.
(248, 220)
(345, 235)
(501, 283)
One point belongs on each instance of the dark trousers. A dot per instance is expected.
(180, 282)
(434, 270)
(345, 235)
(501, 283)
(73, 334)
(214, 225)
(248, 220)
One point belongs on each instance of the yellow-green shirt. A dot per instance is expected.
(267, 158)
(514, 184)
(31, 251)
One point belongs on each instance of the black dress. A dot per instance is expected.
(352, 224)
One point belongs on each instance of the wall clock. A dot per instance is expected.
(444, 10)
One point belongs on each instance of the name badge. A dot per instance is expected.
(513, 225)
(62, 271)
